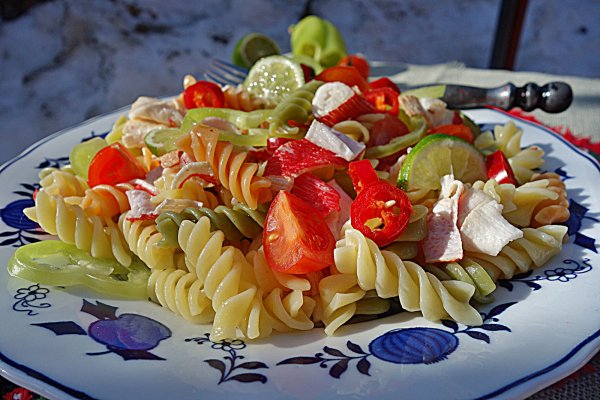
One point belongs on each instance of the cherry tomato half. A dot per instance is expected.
(499, 169)
(348, 75)
(114, 164)
(203, 94)
(381, 212)
(296, 239)
(358, 62)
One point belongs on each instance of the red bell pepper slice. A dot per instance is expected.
(381, 212)
(384, 99)
(362, 175)
(203, 94)
(114, 164)
(384, 82)
(499, 169)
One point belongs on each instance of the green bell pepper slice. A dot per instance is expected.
(52, 262)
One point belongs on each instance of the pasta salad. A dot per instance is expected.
(264, 207)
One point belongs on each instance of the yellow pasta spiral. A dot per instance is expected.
(228, 280)
(417, 290)
(229, 166)
(72, 226)
(104, 201)
(534, 249)
(551, 211)
(143, 239)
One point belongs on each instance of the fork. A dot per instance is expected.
(224, 73)
(553, 97)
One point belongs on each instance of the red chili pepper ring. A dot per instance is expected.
(381, 212)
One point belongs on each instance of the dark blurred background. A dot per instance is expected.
(64, 61)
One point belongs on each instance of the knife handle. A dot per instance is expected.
(553, 97)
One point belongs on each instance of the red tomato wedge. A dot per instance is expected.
(114, 164)
(381, 212)
(203, 94)
(358, 62)
(348, 75)
(459, 131)
(296, 239)
(499, 169)
(362, 175)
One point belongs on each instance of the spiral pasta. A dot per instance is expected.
(181, 292)
(507, 138)
(551, 211)
(230, 166)
(62, 182)
(389, 276)
(192, 189)
(104, 201)
(72, 226)
(296, 106)
(236, 223)
(239, 98)
(467, 271)
(519, 203)
(534, 249)
(353, 129)
(228, 281)
(338, 298)
(143, 239)
(406, 246)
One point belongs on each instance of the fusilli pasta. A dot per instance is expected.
(389, 276)
(534, 249)
(230, 166)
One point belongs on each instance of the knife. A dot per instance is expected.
(553, 97)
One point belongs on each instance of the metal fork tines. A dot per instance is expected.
(224, 73)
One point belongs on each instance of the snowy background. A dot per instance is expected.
(63, 61)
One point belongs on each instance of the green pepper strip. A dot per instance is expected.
(241, 119)
(399, 143)
(55, 263)
(308, 37)
(334, 49)
(256, 138)
(319, 39)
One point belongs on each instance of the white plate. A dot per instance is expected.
(545, 327)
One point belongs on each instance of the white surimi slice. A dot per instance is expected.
(482, 227)
(443, 242)
(334, 141)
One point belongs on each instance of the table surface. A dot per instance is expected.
(582, 119)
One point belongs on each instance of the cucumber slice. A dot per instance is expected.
(162, 141)
(81, 155)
